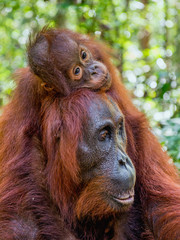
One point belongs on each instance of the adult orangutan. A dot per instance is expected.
(54, 56)
(77, 181)
(52, 75)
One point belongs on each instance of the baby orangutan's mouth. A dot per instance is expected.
(107, 82)
(99, 77)
(104, 83)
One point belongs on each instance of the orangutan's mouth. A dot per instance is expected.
(106, 83)
(125, 199)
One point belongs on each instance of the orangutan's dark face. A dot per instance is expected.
(102, 155)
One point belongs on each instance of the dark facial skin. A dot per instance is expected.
(78, 64)
(102, 152)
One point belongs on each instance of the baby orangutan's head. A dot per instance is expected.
(64, 62)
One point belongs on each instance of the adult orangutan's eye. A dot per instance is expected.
(104, 134)
(120, 128)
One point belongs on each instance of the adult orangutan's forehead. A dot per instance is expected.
(102, 109)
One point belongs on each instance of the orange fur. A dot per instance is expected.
(39, 134)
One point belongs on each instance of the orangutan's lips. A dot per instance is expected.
(125, 199)
(103, 83)
(107, 81)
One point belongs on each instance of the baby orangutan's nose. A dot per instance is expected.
(97, 68)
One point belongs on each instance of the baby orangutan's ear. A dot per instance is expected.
(43, 64)
(46, 87)
(38, 52)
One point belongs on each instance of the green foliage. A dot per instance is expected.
(169, 134)
(145, 36)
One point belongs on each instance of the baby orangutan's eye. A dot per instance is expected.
(83, 55)
(76, 73)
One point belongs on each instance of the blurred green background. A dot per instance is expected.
(145, 35)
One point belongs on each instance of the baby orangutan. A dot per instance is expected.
(64, 63)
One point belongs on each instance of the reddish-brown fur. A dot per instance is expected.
(33, 178)
(158, 184)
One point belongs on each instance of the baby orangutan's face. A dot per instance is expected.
(79, 66)
(66, 61)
